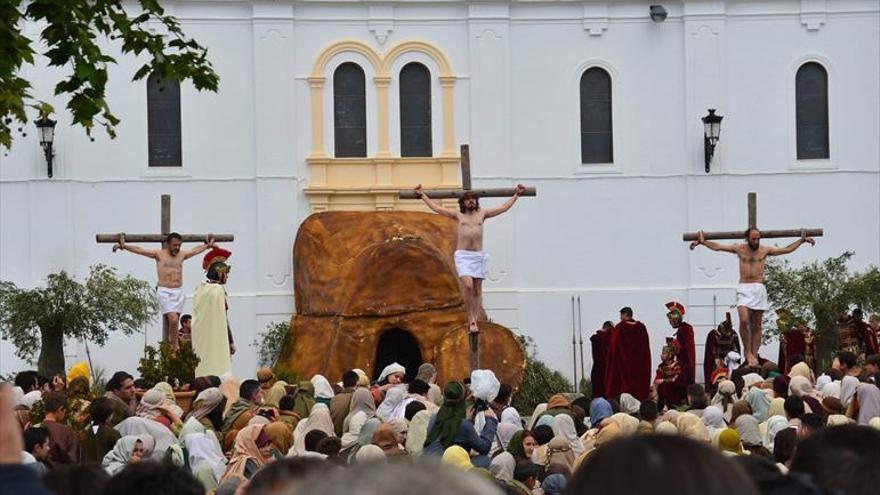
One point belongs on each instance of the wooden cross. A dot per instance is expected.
(165, 230)
(753, 222)
(474, 338)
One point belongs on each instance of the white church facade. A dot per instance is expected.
(334, 105)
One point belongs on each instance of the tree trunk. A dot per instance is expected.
(51, 360)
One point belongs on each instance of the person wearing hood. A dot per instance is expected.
(391, 376)
(250, 397)
(340, 404)
(323, 390)
(454, 425)
(129, 449)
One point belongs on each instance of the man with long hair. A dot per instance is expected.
(470, 259)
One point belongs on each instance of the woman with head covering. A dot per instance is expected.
(207, 409)
(393, 398)
(428, 374)
(775, 424)
(323, 389)
(510, 423)
(206, 459)
(628, 424)
(502, 467)
(831, 390)
(725, 397)
(803, 370)
(629, 404)
(868, 397)
(320, 420)
(159, 433)
(457, 457)
(777, 407)
(848, 389)
(370, 453)
(600, 409)
(280, 438)
(839, 420)
(750, 380)
(760, 403)
(304, 399)
(665, 428)
(563, 426)
(691, 426)
(750, 436)
(417, 433)
(153, 407)
(539, 410)
(559, 452)
(522, 445)
(739, 408)
(801, 387)
(832, 406)
(822, 381)
(729, 442)
(362, 409)
(453, 425)
(713, 418)
(170, 399)
(385, 438)
(128, 449)
(275, 393)
(249, 453)
(554, 484)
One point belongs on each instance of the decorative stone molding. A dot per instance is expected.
(381, 22)
(595, 18)
(813, 14)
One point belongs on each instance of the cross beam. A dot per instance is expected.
(497, 192)
(753, 222)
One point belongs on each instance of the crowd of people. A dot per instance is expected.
(765, 434)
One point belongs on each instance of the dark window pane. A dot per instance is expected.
(811, 100)
(350, 111)
(163, 122)
(595, 109)
(415, 110)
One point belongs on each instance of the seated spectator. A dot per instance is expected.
(36, 449)
(128, 450)
(842, 459)
(148, 478)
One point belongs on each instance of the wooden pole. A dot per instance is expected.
(753, 209)
(765, 234)
(112, 238)
(165, 224)
(474, 339)
(465, 166)
(574, 345)
(457, 193)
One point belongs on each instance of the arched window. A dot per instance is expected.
(596, 135)
(415, 110)
(163, 122)
(811, 100)
(350, 111)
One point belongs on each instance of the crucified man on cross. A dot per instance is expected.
(470, 260)
(169, 271)
(751, 295)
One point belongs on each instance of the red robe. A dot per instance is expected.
(687, 355)
(793, 342)
(670, 394)
(629, 361)
(599, 343)
(868, 337)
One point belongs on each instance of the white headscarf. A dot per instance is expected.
(774, 425)
(750, 380)
(323, 389)
(139, 426)
(511, 422)
(831, 390)
(539, 410)
(502, 467)
(370, 453)
(204, 449)
(847, 389)
(393, 398)
(749, 430)
(17, 396)
(822, 381)
(869, 402)
(629, 404)
(31, 398)
(117, 458)
(418, 432)
(713, 418)
(391, 369)
(319, 419)
(800, 387)
(563, 426)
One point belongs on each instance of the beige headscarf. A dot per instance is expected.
(777, 407)
(802, 369)
(319, 419)
(275, 393)
(151, 403)
(692, 426)
(418, 432)
(666, 428)
(244, 449)
(205, 402)
(628, 424)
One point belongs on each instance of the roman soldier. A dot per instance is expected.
(850, 338)
(211, 333)
(795, 338)
(684, 335)
(666, 382)
(719, 344)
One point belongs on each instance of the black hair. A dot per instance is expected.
(525, 469)
(142, 384)
(856, 457)
(418, 387)
(312, 439)
(413, 408)
(614, 402)
(784, 444)
(76, 479)
(543, 434)
(873, 359)
(795, 359)
(466, 196)
(695, 390)
(608, 324)
(173, 235)
(34, 436)
(350, 379)
(27, 381)
(677, 464)
(150, 478)
(286, 403)
(835, 374)
(247, 389)
(115, 382)
(648, 411)
(214, 380)
(101, 409)
(813, 421)
(770, 479)
(54, 401)
(794, 407)
(329, 446)
(185, 318)
(858, 314)
(847, 358)
(749, 231)
(504, 393)
(283, 475)
(626, 310)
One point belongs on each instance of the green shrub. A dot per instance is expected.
(271, 342)
(166, 365)
(539, 381)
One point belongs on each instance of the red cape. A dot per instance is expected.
(629, 361)
(687, 355)
(709, 358)
(868, 337)
(599, 344)
(795, 343)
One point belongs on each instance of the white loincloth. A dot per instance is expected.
(471, 263)
(170, 300)
(752, 296)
